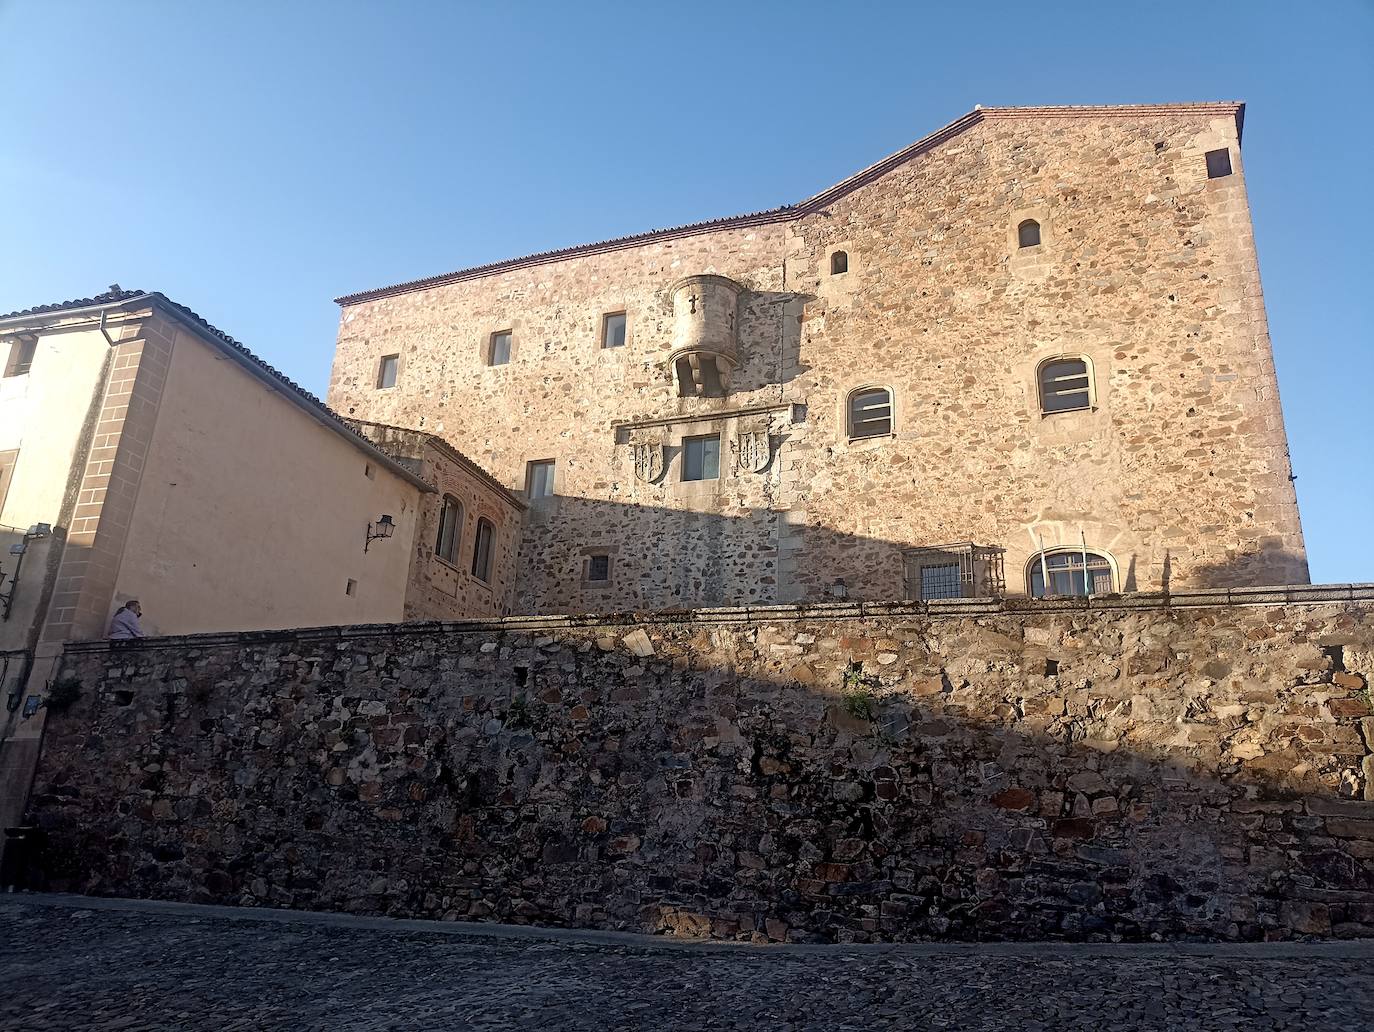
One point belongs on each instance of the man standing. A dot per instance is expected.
(125, 623)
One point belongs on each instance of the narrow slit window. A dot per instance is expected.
(1218, 163)
(450, 526)
(386, 371)
(1065, 385)
(870, 413)
(350, 587)
(613, 330)
(481, 549)
(701, 458)
(1028, 233)
(539, 479)
(839, 263)
(499, 348)
(22, 352)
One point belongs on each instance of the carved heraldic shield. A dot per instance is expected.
(753, 449)
(648, 456)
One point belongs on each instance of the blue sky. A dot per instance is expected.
(253, 160)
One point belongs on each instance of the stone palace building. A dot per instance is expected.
(1029, 347)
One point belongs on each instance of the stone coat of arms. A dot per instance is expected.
(648, 456)
(753, 449)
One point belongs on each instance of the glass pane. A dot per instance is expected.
(615, 331)
(1067, 575)
(481, 551)
(500, 348)
(870, 414)
(941, 581)
(541, 479)
(448, 530)
(1064, 386)
(701, 458)
(387, 375)
(599, 568)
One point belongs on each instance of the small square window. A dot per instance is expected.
(386, 371)
(613, 331)
(499, 353)
(1218, 163)
(599, 568)
(701, 458)
(351, 588)
(539, 479)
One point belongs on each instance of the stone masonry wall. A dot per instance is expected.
(970, 770)
(438, 589)
(1147, 268)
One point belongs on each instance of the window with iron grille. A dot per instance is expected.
(944, 580)
(1065, 385)
(1068, 575)
(870, 413)
(598, 568)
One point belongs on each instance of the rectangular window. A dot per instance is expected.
(613, 331)
(450, 526)
(351, 588)
(481, 550)
(499, 353)
(1065, 385)
(539, 479)
(22, 351)
(1218, 163)
(941, 581)
(701, 458)
(598, 568)
(386, 371)
(7, 463)
(870, 413)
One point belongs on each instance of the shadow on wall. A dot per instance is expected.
(1270, 566)
(721, 553)
(1060, 773)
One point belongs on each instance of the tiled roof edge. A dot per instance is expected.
(814, 203)
(293, 391)
(442, 445)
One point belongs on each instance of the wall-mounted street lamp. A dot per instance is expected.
(379, 531)
(38, 530)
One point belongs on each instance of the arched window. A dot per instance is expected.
(1066, 384)
(839, 263)
(870, 413)
(1068, 573)
(1028, 233)
(450, 529)
(481, 549)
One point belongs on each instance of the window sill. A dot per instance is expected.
(1068, 412)
(448, 563)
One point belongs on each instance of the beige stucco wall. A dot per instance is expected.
(41, 415)
(1179, 474)
(252, 515)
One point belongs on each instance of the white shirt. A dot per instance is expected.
(125, 625)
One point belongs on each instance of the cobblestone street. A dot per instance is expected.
(75, 964)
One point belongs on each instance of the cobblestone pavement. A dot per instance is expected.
(75, 964)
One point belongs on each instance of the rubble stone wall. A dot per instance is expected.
(1136, 767)
(1178, 473)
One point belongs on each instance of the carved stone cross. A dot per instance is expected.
(692, 300)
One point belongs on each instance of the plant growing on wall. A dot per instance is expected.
(856, 693)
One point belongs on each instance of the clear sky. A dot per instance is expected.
(253, 160)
